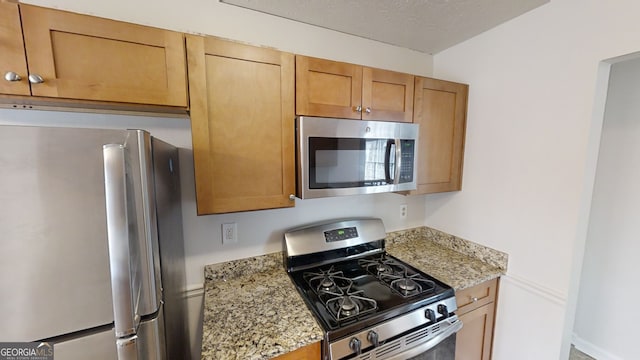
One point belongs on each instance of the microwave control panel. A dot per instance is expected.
(407, 152)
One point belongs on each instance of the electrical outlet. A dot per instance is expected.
(403, 211)
(229, 233)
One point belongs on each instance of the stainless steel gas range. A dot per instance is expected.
(370, 304)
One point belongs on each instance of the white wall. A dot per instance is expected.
(528, 158)
(611, 254)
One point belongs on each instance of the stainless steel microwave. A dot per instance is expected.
(337, 157)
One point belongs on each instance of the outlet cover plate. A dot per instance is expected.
(229, 233)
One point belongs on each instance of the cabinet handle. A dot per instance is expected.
(358, 108)
(367, 110)
(11, 76)
(35, 79)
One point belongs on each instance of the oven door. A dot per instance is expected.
(434, 342)
(444, 350)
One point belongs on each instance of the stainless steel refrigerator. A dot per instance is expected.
(91, 246)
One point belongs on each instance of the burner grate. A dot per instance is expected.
(337, 294)
(397, 276)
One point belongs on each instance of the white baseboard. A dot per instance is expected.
(591, 349)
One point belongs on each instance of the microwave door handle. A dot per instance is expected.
(387, 161)
(396, 178)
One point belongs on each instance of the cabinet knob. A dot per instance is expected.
(35, 79)
(11, 76)
(358, 108)
(292, 197)
(474, 299)
(367, 110)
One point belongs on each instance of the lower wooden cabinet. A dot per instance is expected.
(476, 310)
(309, 352)
(440, 107)
(242, 123)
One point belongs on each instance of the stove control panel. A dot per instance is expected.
(437, 316)
(340, 234)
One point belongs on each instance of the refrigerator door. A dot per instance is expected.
(100, 345)
(169, 215)
(148, 343)
(132, 231)
(54, 272)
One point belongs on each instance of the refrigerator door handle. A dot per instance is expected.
(118, 239)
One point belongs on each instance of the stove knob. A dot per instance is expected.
(372, 336)
(442, 309)
(355, 345)
(431, 315)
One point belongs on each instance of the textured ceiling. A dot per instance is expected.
(428, 26)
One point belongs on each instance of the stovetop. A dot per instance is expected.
(354, 294)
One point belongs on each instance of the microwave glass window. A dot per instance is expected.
(348, 162)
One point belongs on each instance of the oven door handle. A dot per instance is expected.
(454, 328)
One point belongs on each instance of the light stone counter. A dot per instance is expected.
(252, 310)
(452, 260)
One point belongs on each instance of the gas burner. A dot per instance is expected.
(379, 266)
(349, 305)
(408, 285)
(327, 281)
(405, 285)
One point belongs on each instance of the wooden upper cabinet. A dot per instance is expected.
(388, 94)
(12, 60)
(242, 121)
(335, 89)
(328, 88)
(89, 58)
(440, 109)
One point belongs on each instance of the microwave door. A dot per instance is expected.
(392, 161)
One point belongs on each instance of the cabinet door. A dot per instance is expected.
(309, 352)
(476, 296)
(12, 50)
(441, 109)
(387, 95)
(473, 341)
(328, 88)
(242, 121)
(89, 58)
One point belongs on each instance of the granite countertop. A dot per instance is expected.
(454, 261)
(252, 310)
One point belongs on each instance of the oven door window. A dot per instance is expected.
(350, 162)
(446, 350)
